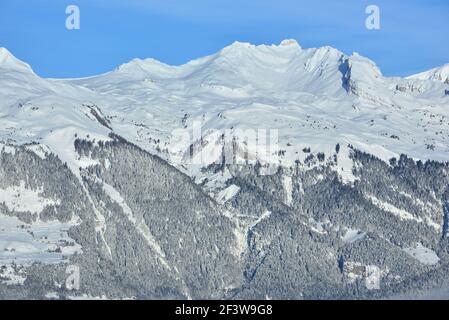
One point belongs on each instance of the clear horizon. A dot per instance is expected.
(412, 35)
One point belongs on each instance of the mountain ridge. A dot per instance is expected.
(286, 43)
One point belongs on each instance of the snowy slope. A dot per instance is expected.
(50, 113)
(437, 74)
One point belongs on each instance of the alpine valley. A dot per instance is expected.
(353, 203)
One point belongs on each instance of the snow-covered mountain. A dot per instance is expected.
(314, 97)
(352, 146)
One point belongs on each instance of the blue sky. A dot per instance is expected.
(414, 34)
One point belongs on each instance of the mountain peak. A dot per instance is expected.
(238, 46)
(440, 74)
(289, 43)
(144, 67)
(9, 61)
(5, 55)
(366, 65)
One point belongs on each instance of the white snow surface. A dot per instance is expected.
(353, 235)
(12, 275)
(46, 242)
(21, 199)
(400, 213)
(227, 194)
(422, 254)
